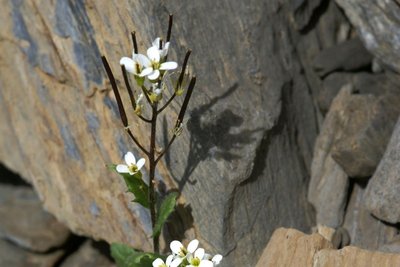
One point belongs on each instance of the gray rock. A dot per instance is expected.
(382, 197)
(303, 11)
(363, 83)
(329, 183)
(366, 131)
(330, 88)
(377, 23)
(365, 230)
(13, 256)
(87, 256)
(23, 220)
(347, 56)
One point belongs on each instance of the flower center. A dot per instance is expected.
(155, 65)
(133, 168)
(195, 262)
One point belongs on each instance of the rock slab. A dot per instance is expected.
(24, 222)
(289, 247)
(382, 193)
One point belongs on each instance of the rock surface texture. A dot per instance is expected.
(243, 160)
(380, 35)
(24, 222)
(382, 193)
(291, 248)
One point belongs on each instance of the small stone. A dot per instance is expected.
(24, 222)
(347, 56)
(382, 196)
(87, 256)
(13, 256)
(289, 247)
(329, 183)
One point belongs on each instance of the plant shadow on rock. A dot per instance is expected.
(210, 136)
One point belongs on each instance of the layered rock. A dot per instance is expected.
(244, 157)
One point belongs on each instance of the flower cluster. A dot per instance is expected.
(153, 66)
(192, 256)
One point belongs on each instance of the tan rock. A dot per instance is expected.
(289, 247)
(354, 257)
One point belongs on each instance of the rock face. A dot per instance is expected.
(382, 192)
(23, 221)
(244, 158)
(354, 257)
(365, 230)
(382, 36)
(329, 183)
(87, 256)
(13, 256)
(290, 248)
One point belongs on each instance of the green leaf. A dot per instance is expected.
(166, 208)
(125, 256)
(136, 186)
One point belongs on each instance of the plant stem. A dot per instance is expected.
(152, 161)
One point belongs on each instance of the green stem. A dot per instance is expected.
(152, 162)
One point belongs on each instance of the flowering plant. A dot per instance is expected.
(150, 74)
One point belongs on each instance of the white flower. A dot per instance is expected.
(216, 259)
(178, 249)
(164, 49)
(131, 166)
(154, 66)
(136, 64)
(160, 263)
(198, 259)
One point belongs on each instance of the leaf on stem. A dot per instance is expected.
(125, 256)
(136, 186)
(166, 208)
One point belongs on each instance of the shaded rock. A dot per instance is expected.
(366, 231)
(329, 183)
(354, 257)
(302, 12)
(289, 247)
(363, 83)
(13, 256)
(23, 220)
(368, 121)
(382, 193)
(331, 86)
(87, 256)
(347, 56)
(377, 23)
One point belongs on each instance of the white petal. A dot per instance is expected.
(169, 260)
(121, 168)
(154, 75)
(193, 245)
(170, 65)
(217, 259)
(130, 158)
(146, 72)
(158, 91)
(140, 163)
(154, 54)
(206, 263)
(158, 262)
(129, 64)
(142, 60)
(176, 262)
(156, 42)
(176, 246)
(199, 253)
